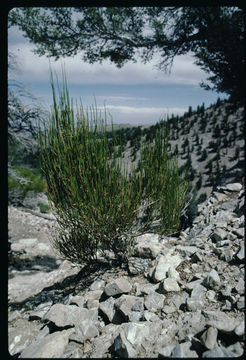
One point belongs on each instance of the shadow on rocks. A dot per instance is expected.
(60, 291)
(43, 263)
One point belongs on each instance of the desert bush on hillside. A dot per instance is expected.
(23, 180)
(96, 201)
(163, 186)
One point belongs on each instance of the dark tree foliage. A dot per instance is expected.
(214, 35)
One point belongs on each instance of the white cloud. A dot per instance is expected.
(140, 115)
(35, 68)
(120, 98)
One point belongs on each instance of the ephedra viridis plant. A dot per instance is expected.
(96, 201)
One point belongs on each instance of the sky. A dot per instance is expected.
(136, 94)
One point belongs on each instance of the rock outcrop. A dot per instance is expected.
(180, 296)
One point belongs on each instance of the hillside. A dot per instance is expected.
(209, 143)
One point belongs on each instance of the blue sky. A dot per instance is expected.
(135, 94)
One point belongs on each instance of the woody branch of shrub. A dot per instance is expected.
(95, 199)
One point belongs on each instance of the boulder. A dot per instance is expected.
(163, 265)
(122, 346)
(86, 329)
(149, 288)
(218, 352)
(69, 315)
(138, 265)
(168, 285)
(233, 187)
(97, 285)
(107, 308)
(241, 253)
(194, 303)
(209, 338)
(219, 234)
(240, 287)
(166, 351)
(183, 350)
(40, 311)
(118, 286)
(154, 301)
(212, 280)
(103, 343)
(240, 329)
(147, 246)
(220, 320)
(51, 346)
(127, 304)
(190, 323)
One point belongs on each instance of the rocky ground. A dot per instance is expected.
(179, 296)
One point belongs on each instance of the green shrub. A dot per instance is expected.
(97, 202)
(44, 208)
(26, 180)
(164, 189)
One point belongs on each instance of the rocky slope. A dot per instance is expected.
(208, 142)
(179, 296)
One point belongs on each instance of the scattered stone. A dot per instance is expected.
(83, 331)
(190, 323)
(147, 246)
(240, 288)
(201, 273)
(198, 291)
(149, 288)
(93, 295)
(107, 307)
(237, 349)
(22, 335)
(92, 304)
(154, 301)
(183, 351)
(128, 303)
(179, 300)
(241, 253)
(220, 320)
(166, 351)
(233, 187)
(209, 338)
(150, 316)
(163, 265)
(240, 329)
(196, 258)
(210, 295)
(174, 274)
(168, 285)
(239, 232)
(122, 347)
(118, 286)
(194, 303)
(52, 345)
(97, 285)
(77, 300)
(69, 315)
(136, 333)
(241, 303)
(218, 352)
(212, 281)
(138, 266)
(219, 234)
(40, 311)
